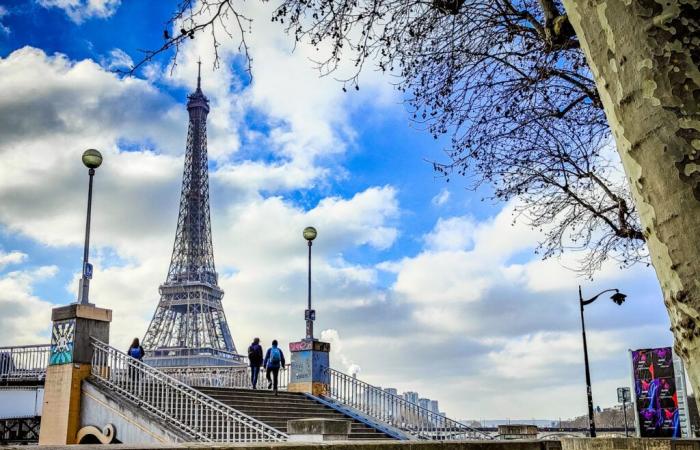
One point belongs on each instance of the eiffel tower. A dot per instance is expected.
(189, 327)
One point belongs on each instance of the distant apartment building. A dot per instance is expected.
(391, 391)
(424, 403)
(434, 407)
(411, 397)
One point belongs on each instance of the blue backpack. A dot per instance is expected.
(275, 356)
(135, 352)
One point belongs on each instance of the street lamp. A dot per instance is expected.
(618, 298)
(309, 314)
(92, 160)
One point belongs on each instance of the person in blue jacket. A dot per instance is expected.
(274, 359)
(136, 352)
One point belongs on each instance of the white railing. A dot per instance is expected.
(199, 416)
(396, 411)
(224, 376)
(24, 362)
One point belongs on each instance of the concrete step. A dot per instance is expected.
(265, 403)
(250, 392)
(276, 410)
(355, 427)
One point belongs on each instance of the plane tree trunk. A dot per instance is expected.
(645, 56)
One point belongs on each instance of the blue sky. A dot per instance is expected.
(418, 283)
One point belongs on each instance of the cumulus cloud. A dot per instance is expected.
(24, 317)
(338, 357)
(80, 10)
(13, 257)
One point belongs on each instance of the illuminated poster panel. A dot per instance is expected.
(660, 406)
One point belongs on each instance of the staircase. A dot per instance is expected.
(275, 411)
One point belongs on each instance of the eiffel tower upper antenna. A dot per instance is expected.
(199, 74)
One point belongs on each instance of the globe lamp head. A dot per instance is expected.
(92, 158)
(310, 233)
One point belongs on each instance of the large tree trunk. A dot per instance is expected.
(644, 56)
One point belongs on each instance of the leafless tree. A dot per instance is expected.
(506, 80)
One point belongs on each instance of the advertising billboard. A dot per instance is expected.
(659, 393)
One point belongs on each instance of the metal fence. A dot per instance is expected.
(24, 362)
(192, 412)
(396, 411)
(224, 376)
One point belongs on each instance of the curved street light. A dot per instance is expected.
(618, 298)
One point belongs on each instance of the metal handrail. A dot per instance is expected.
(196, 414)
(421, 423)
(24, 362)
(223, 376)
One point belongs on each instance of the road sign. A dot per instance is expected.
(624, 395)
(87, 271)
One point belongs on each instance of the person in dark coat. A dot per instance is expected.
(274, 359)
(255, 358)
(136, 352)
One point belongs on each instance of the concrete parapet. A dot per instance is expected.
(337, 445)
(318, 430)
(629, 444)
(565, 444)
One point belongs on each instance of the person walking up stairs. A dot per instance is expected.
(274, 359)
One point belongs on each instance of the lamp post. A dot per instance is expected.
(92, 160)
(618, 298)
(309, 314)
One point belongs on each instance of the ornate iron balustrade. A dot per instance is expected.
(396, 411)
(223, 376)
(24, 362)
(192, 412)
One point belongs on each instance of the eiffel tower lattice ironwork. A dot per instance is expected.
(189, 327)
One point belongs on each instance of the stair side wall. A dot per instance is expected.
(132, 425)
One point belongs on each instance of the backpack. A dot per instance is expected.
(135, 352)
(275, 356)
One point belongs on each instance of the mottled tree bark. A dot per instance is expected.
(645, 55)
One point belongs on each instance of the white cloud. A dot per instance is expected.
(4, 29)
(338, 357)
(14, 257)
(118, 59)
(541, 355)
(80, 10)
(441, 198)
(24, 318)
(455, 233)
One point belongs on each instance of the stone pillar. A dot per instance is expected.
(69, 364)
(318, 430)
(308, 367)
